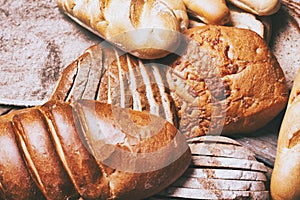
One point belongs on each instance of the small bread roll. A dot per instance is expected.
(146, 29)
(258, 7)
(287, 162)
(209, 11)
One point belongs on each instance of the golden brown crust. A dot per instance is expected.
(102, 151)
(125, 23)
(39, 154)
(248, 82)
(153, 147)
(13, 168)
(287, 162)
(81, 166)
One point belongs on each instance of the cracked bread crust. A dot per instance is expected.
(227, 80)
(287, 162)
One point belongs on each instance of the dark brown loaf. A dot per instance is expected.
(57, 151)
(285, 180)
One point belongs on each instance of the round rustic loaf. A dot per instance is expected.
(226, 81)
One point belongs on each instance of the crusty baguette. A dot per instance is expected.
(258, 7)
(209, 11)
(147, 29)
(285, 180)
(88, 149)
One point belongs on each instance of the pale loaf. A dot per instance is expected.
(285, 180)
(147, 29)
(209, 11)
(258, 7)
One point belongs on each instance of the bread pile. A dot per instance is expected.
(225, 80)
(178, 81)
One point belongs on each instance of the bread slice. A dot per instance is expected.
(225, 174)
(190, 193)
(215, 176)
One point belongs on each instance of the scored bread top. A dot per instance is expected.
(147, 29)
(88, 149)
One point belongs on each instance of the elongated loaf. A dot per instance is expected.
(285, 180)
(209, 11)
(258, 7)
(147, 29)
(89, 150)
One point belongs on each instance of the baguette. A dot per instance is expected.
(147, 29)
(87, 149)
(258, 7)
(287, 162)
(209, 11)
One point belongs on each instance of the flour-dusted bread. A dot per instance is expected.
(209, 11)
(258, 7)
(88, 149)
(287, 162)
(147, 29)
(226, 81)
(219, 173)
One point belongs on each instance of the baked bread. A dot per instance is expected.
(226, 81)
(250, 87)
(258, 7)
(88, 149)
(146, 29)
(209, 11)
(221, 168)
(287, 162)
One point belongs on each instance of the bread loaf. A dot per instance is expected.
(285, 180)
(147, 29)
(226, 81)
(249, 88)
(209, 11)
(258, 7)
(89, 150)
